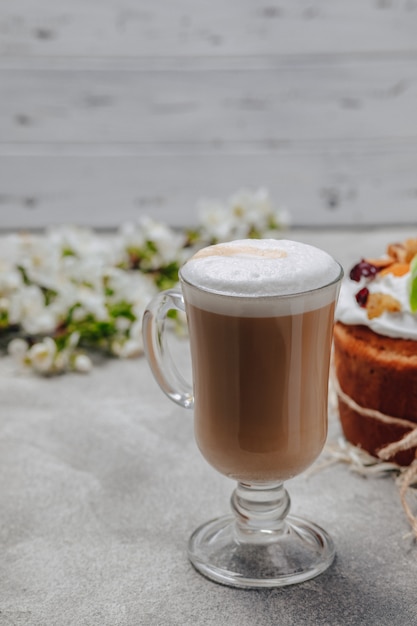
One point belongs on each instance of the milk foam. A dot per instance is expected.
(252, 269)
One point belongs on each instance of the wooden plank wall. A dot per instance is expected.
(114, 108)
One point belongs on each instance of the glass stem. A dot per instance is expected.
(260, 511)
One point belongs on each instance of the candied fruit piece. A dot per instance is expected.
(363, 268)
(397, 269)
(378, 302)
(362, 297)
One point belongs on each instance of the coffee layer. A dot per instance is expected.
(260, 388)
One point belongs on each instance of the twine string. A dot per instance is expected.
(405, 481)
(408, 475)
(382, 417)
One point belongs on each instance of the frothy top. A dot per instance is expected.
(251, 269)
(260, 267)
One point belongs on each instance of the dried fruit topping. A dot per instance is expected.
(363, 269)
(397, 251)
(382, 262)
(400, 259)
(403, 252)
(378, 302)
(411, 247)
(397, 269)
(362, 297)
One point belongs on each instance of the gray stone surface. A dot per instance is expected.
(101, 484)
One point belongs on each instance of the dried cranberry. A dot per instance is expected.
(363, 269)
(362, 297)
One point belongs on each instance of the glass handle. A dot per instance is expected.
(156, 348)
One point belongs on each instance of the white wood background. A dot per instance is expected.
(114, 108)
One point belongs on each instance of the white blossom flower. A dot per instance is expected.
(86, 272)
(73, 339)
(127, 348)
(93, 303)
(132, 348)
(73, 284)
(81, 243)
(40, 323)
(245, 213)
(40, 261)
(79, 313)
(117, 281)
(167, 241)
(155, 244)
(131, 236)
(82, 363)
(17, 348)
(4, 305)
(27, 308)
(10, 278)
(61, 361)
(216, 222)
(42, 355)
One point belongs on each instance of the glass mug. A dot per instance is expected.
(260, 366)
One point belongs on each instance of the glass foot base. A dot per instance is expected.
(302, 551)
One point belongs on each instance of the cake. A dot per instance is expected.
(375, 354)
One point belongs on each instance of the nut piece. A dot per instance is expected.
(382, 262)
(411, 249)
(403, 252)
(398, 252)
(378, 302)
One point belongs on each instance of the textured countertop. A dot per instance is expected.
(101, 484)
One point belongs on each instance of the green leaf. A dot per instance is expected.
(67, 252)
(48, 294)
(167, 276)
(24, 274)
(413, 285)
(4, 319)
(121, 309)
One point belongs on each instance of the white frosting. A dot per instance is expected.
(260, 267)
(250, 270)
(401, 325)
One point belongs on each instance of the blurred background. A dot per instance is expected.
(112, 109)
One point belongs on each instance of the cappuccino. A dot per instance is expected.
(260, 317)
